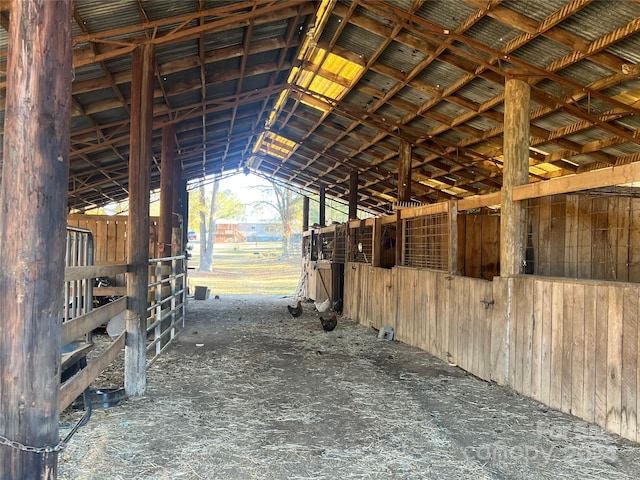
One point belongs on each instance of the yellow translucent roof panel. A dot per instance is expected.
(326, 74)
(275, 145)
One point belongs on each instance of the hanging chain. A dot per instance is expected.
(26, 448)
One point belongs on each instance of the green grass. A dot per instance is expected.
(247, 268)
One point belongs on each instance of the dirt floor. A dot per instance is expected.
(248, 392)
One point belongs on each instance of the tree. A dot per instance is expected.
(288, 206)
(204, 213)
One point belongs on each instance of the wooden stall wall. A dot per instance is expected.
(585, 236)
(369, 295)
(479, 244)
(110, 236)
(449, 316)
(453, 318)
(574, 346)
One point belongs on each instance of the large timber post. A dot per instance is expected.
(516, 172)
(167, 192)
(135, 377)
(305, 213)
(353, 194)
(404, 172)
(33, 216)
(322, 207)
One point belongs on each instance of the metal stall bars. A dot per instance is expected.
(166, 314)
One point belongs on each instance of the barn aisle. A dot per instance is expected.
(249, 392)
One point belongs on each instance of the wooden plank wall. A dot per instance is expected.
(449, 316)
(369, 295)
(479, 244)
(584, 236)
(109, 236)
(574, 346)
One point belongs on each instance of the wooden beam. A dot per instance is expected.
(453, 236)
(477, 201)
(404, 172)
(33, 204)
(604, 177)
(305, 213)
(166, 190)
(516, 172)
(138, 238)
(323, 206)
(353, 194)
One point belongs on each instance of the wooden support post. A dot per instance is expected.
(167, 189)
(182, 207)
(323, 205)
(135, 376)
(33, 217)
(516, 172)
(305, 213)
(453, 236)
(353, 194)
(376, 242)
(400, 238)
(404, 172)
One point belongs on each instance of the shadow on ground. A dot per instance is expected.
(249, 392)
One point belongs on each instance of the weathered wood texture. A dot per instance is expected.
(137, 242)
(168, 188)
(110, 236)
(515, 172)
(353, 194)
(574, 347)
(584, 236)
(33, 203)
(449, 316)
(404, 172)
(478, 250)
(320, 281)
(570, 344)
(370, 295)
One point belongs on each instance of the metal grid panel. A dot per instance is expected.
(327, 246)
(362, 240)
(427, 242)
(340, 244)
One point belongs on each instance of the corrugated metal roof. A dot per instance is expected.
(457, 98)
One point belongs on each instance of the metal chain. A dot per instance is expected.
(26, 448)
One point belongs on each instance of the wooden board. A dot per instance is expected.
(499, 331)
(614, 359)
(473, 246)
(567, 347)
(628, 380)
(543, 262)
(600, 365)
(490, 247)
(619, 215)
(571, 237)
(557, 298)
(577, 348)
(544, 322)
(634, 241)
(590, 353)
(600, 248)
(556, 235)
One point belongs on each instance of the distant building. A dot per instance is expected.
(248, 232)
